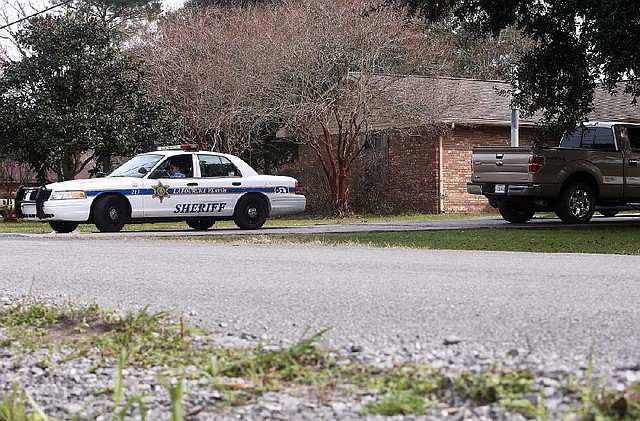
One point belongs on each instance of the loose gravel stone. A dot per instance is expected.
(80, 388)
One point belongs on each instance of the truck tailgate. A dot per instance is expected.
(500, 164)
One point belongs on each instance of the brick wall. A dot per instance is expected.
(407, 178)
(403, 180)
(414, 161)
(312, 181)
(456, 164)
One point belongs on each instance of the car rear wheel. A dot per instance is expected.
(201, 224)
(250, 212)
(517, 213)
(576, 204)
(63, 226)
(110, 214)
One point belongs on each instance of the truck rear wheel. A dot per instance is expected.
(576, 204)
(516, 212)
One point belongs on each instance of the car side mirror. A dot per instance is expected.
(142, 170)
(101, 174)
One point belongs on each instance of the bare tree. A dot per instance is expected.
(330, 91)
(12, 175)
(11, 13)
(311, 65)
(212, 65)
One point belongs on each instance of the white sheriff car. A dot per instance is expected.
(211, 187)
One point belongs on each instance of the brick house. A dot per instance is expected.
(408, 169)
(13, 174)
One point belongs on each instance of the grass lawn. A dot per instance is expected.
(558, 240)
(569, 239)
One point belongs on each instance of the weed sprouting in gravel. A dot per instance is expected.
(179, 354)
(34, 315)
(601, 403)
(13, 407)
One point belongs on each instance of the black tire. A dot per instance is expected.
(609, 213)
(200, 224)
(110, 214)
(576, 204)
(63, 226)
(251, 212)
(514, 212)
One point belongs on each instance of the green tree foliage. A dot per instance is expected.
(119, 13)
(490, 57)
(577, 45)
(74, 100)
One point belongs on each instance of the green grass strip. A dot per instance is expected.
(596, 240)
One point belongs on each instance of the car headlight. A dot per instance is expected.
(77, 194)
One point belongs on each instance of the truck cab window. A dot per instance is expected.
(634, 138)
(593, 138)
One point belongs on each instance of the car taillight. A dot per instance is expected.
(535, 163)
(297, 187)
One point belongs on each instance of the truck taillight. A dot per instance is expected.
(535, 163)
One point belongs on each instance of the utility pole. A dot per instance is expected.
(515, 115)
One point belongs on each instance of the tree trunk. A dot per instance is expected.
(339, 189)
(67, 168)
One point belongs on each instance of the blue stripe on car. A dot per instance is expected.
(223, 190)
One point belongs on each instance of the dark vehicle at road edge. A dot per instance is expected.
(593, 169)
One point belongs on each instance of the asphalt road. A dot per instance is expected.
(389, 299)
(626, 220)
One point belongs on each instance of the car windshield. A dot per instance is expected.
(132, 167)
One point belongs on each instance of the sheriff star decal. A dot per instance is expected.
(160, 191)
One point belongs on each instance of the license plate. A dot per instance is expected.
(500, 188)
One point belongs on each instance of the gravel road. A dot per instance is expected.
(456, 310)
(401, 301)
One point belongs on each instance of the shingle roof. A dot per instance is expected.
(480, 101)
(413, 101)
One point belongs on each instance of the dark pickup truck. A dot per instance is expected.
(594, 168)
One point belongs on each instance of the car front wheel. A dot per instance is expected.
(110, 214)
(250, 212)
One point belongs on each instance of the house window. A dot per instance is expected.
(378, 142)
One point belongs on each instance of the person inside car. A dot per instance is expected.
(175, 172)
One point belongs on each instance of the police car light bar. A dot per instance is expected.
(185, 147)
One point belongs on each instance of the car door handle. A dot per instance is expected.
(192, 184)
(236, 183)
(633, 162)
